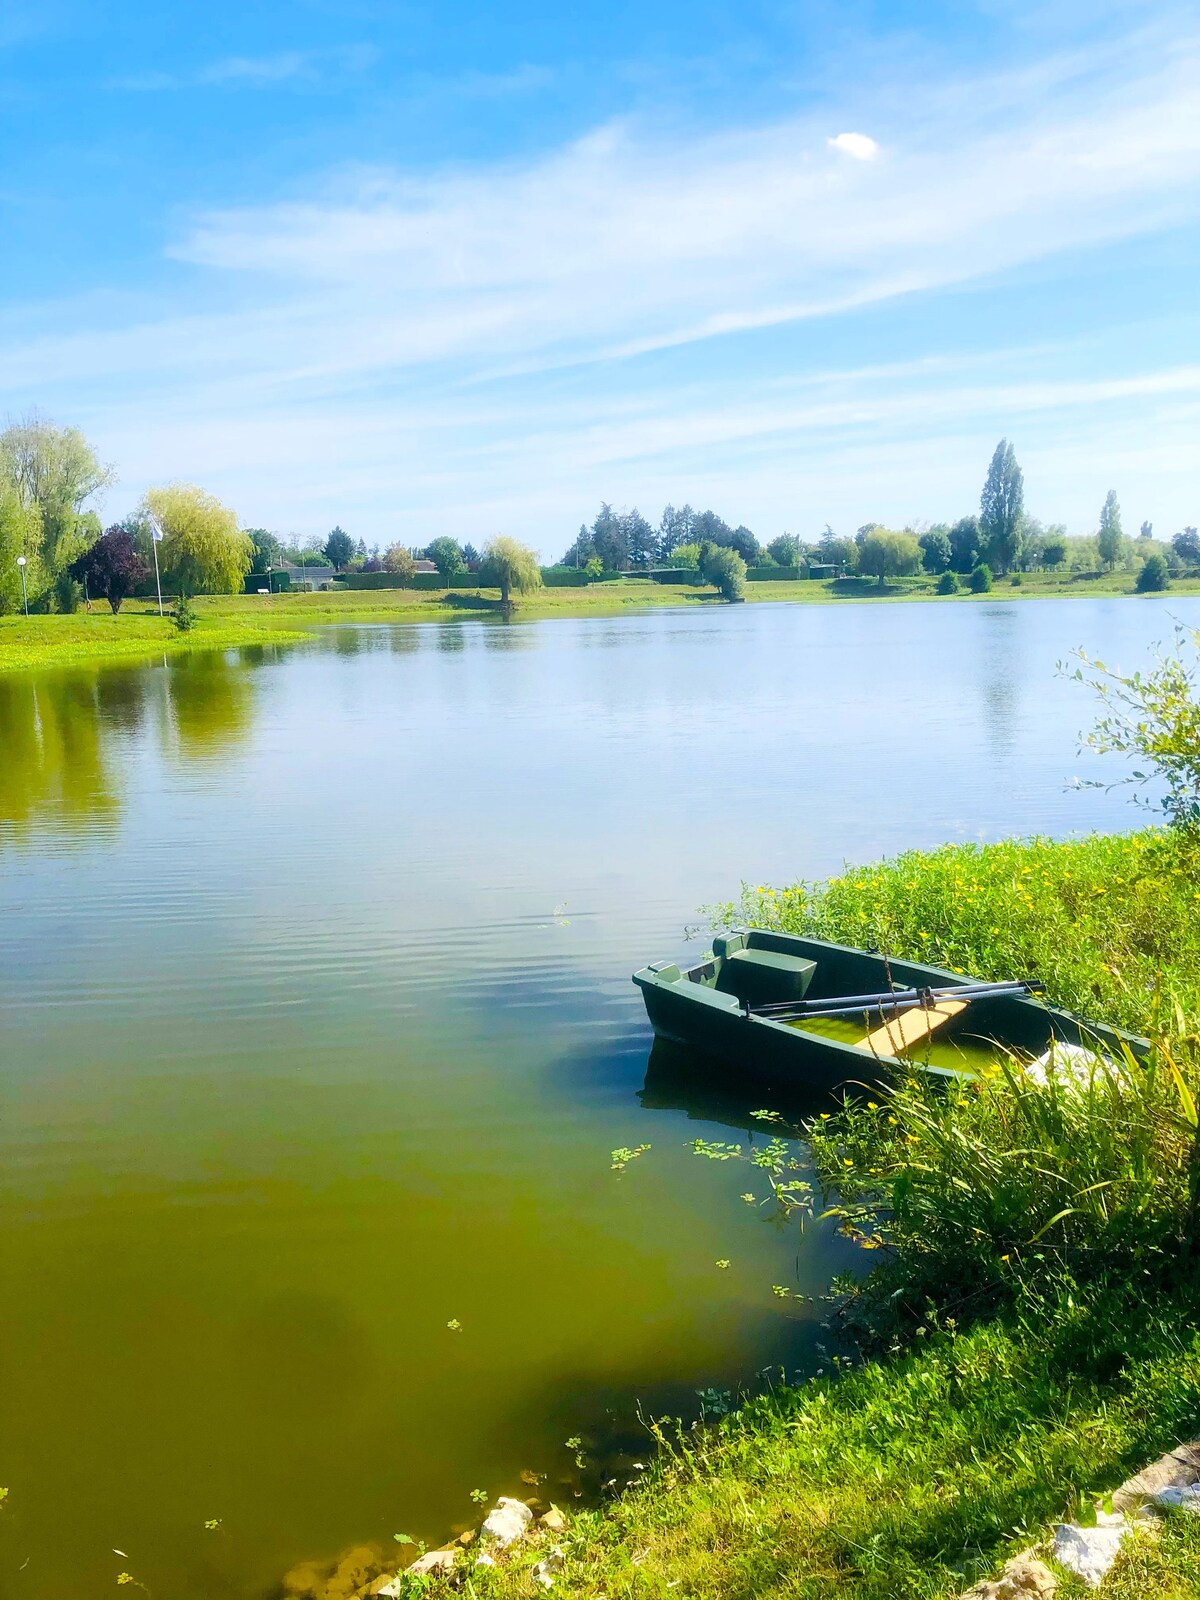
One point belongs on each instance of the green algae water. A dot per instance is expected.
(958, 1051)
(316, 1032)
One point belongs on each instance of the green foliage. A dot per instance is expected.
(884, 554)
(1154, 717)
(53, 472)
(1110, 541)
(398, 560)
(265, 549)
(1154, 575)
(338, 549)
(786, 551)
(508, 566)
(593, 566)
(685, 555)
(203, 551)
(935, 549)
(1001, 508)
(68, 592)
(981, 579)
(964, 539)
(948, 583)
(447, 557)
(726, 571)
(183, 614)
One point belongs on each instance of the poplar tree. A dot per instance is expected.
(1110, 540)
(1000, 508)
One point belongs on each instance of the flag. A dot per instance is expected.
(156, 531)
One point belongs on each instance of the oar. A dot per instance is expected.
(856, 1004)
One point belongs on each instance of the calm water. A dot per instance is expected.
(316, 1031)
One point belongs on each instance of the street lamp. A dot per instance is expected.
(24, 592)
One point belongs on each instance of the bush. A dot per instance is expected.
(981, 579)
(1154, 576)
(726, 571)
(1015, 580)
(183, 614)
(948, 583)
(67, 594)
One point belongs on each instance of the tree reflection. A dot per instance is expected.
(54, 766)
(211, 699)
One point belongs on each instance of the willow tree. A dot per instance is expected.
(52, 472)
(508, 565)
(203, 551)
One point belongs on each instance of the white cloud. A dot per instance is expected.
(858, 145)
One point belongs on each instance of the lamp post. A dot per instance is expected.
(24, 591)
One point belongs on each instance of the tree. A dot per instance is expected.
(1054, 548)
(508, 565)
(203, 551)
(19, 536)
(447, 557)
(786, 551)
(1186, 545)
(675, 528)
(1110, 541)
(836, 552)
(53, 470)
(935, 549)
(1153, 577)
(746, 545)
(964, 544)
(685, 555)
(339, 548)
(112, 568)
(948, 583)
(708, 525)
(640, 539)
(1146, 531)
(609, 540)
(981, 579)
(265, 549)
(1000, 508)
(397, 558)
(725, 570)
(471, 557)
(885, 554)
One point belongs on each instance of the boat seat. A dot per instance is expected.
(763, 976)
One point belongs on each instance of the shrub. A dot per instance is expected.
(183, 613)
(948, 583)
(397, 559)
(981, 579)
(67, 594)
(1154, 576)
(726, 571)
(1015, 580)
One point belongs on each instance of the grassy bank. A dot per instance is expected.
(139, 633)
(990, 1411)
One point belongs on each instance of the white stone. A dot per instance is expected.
(1090, 1552)
(1184, 1496)
(544, 1572)
(437, 1562)
(506, 1521)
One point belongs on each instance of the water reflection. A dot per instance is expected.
(66, 736)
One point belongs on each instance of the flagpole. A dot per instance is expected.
(155, 536)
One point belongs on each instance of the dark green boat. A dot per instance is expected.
(814, 1014)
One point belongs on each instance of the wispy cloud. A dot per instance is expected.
(296, 66)
(420, 329)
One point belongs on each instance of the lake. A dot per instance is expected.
(316, 1032)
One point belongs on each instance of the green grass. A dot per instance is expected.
(138, 632)
(915, 1474)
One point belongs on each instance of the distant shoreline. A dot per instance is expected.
(137, 633)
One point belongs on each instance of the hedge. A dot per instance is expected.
(774, 574)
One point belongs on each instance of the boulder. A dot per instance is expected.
(1090, 1552)
(434, 1563)
(1022, 1578)
(553, 1521)
(506, 1521)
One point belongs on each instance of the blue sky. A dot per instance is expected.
(421, 269)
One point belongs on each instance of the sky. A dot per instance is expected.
(420, 269)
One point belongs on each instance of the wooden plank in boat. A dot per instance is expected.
(910, 1027)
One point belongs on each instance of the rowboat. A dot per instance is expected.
(815, 1015)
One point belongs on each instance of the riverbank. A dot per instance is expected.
(137, 632)
(980, 1416)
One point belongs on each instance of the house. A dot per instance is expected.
(423, 565)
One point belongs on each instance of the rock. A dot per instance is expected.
(506, 1521)
(434, 1563)
(355, 1568)
(485, 1560)
(306, 1580)
(549, 1567)
(1090, 1552)
(467, 1537)
(1022, 1578)
(1181, 1496)
(553, 1521)
(386, 1586)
